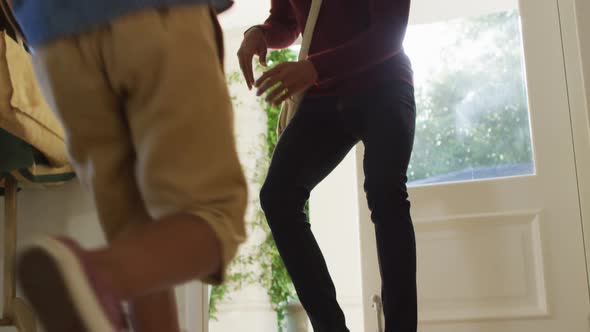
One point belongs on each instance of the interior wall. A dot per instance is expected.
(249, 307)
(334, 217)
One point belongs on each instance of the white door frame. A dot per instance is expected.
(196, 307)
(576, 49)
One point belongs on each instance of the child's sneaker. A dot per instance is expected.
(65, 293)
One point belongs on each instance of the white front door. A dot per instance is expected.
(493, 181)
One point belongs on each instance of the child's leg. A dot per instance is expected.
(178, 119)
(156, 311)
(181, 122)
(158, 256)
(100, 145)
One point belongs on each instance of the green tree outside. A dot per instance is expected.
(473, 113)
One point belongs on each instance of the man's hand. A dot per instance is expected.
(254, 43)
(287, 79)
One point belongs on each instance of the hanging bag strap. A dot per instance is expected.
(312, 19)
(291, 105)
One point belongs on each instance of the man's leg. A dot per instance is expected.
(310, 148)
(388, 138)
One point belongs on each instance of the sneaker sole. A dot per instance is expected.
(54, 282)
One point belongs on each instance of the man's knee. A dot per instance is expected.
(270, 198)
(387, 198)
(278, 199)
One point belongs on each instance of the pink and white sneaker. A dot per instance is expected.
(64, 292)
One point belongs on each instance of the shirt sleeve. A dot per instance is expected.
(280, 28)
(381, 41)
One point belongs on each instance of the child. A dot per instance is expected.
(140, 90)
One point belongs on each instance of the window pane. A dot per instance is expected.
(472, 120)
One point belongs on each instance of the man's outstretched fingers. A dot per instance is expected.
(270, 73)
(266, 85)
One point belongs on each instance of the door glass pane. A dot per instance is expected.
(472, 111)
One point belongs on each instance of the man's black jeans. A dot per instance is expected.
(320, 135)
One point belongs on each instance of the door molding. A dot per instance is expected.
(514, 238)
(576, 49)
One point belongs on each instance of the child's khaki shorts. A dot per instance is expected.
(149, 120)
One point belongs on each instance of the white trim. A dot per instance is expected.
(196, 307)
(205, 307)
(577, 59)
